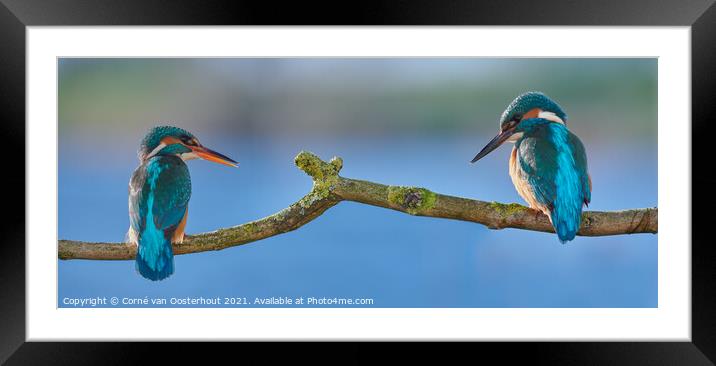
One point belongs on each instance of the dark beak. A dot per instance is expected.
(211, 155)
(494, 144)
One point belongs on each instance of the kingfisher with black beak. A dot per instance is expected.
(548, 164)
(159, 193)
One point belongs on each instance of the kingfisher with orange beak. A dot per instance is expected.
(548, 164)
(159, 193)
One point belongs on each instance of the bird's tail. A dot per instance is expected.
(155, 259)
(566, 222)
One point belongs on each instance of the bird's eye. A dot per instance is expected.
(517, 118)
(189, 141)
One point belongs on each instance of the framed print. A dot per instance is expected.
(355, 213)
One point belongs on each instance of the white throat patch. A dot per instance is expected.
(515, 137)
(189, 156)
(156, 150)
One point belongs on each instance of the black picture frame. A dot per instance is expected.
(700, 15)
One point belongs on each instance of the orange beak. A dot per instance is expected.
(211, 155)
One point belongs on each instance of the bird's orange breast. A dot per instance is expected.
(521, 183)
(178, 236)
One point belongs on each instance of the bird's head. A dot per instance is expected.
(170, 140)
(526, 106)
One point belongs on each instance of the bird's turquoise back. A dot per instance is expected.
(555, 164)
(159, 194)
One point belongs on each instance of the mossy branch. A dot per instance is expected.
(329, 189)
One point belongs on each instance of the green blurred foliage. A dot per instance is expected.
(611, 98)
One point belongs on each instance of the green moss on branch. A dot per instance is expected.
(414, 200)
(325, 175)
(507, 209)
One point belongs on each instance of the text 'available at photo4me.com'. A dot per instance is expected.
(198, 301)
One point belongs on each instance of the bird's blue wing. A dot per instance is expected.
(556, 169)
(156, 209)
(171, 191)
(537, 158)
(580, 163)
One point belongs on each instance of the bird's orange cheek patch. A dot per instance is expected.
(532, 113)
(170, 140)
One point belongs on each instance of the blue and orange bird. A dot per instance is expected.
(548, 165)
(159, 193)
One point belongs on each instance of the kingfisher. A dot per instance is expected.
(548, 164)
(159, 192)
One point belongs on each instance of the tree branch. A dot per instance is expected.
(329, 189)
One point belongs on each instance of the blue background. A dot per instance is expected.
(394, 121)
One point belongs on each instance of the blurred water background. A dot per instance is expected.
(403, 121)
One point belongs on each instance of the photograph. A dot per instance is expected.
(357, 182)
